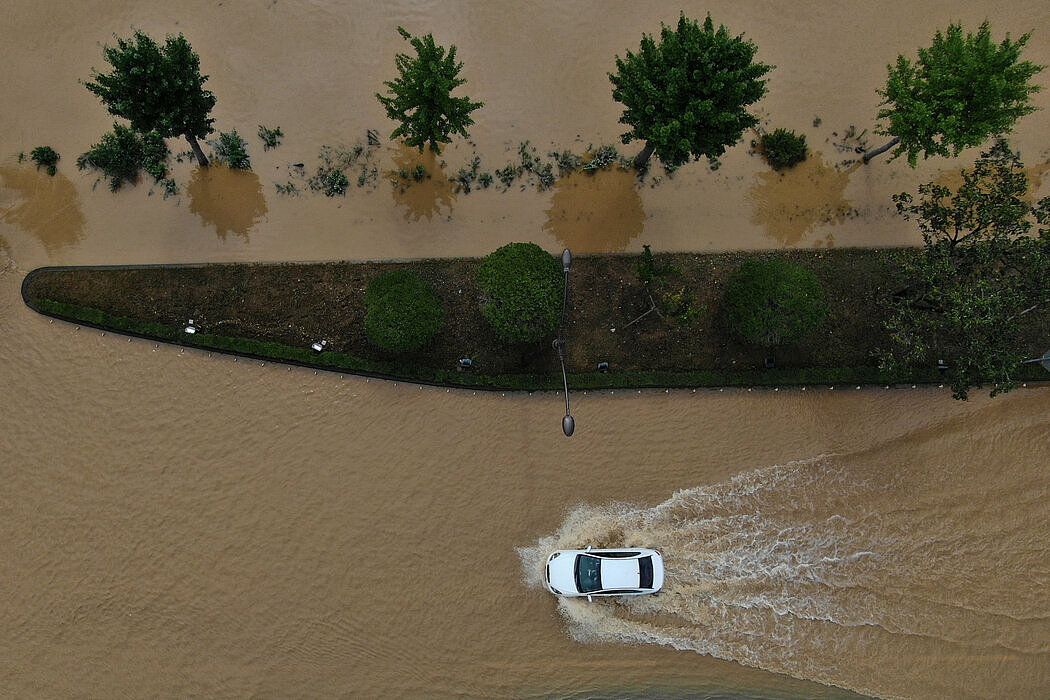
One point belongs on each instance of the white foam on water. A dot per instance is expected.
(794, 567)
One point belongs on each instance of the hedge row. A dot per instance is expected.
(473, 378)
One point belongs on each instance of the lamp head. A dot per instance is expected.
(566, 260)
(568, 425)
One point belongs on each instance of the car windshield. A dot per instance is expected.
(588, 573)
(645, 571)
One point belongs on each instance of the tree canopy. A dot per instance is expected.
(686, 95)
(981, 271)
(523, 287)
(403, 312)
(771, 301)
(157, 88)
(421, 97)
(961, 90)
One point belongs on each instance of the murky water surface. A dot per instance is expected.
(178, 524)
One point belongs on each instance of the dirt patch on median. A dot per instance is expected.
(299, 304)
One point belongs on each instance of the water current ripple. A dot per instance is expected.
(838, 556)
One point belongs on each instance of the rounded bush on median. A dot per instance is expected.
(402, 312)
(523, 286)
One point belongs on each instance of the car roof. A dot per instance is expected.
(620, 573)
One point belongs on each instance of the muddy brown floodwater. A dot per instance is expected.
(178, 524)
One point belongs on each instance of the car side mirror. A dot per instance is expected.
(590, 599)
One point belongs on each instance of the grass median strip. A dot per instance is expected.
(670, 330)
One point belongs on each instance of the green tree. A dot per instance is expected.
(686, 96)
(960, 91)
(770, 301)
(403, 312)
(157, 88)
(523, 288)
(980, 272)
(421, 97)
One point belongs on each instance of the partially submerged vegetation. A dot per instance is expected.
(783, 148)
(122, 153)
(45, 157)
(964, 296)
(231, 150)
(270, 136)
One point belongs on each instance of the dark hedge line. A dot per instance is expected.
(340, 362)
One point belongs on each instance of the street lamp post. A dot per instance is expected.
(1044, 361)
(568, 425)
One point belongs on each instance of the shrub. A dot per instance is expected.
(522, 284)
(271, 138)
(122, 153)
(649, 271)
(331, 182)
(402, 312)
(602, 158)
(567, 161)
(331, 175)
(783, 148)
(232, 150)
(771, 301)
(45, 156)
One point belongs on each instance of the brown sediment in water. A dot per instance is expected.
(46, 206)
(432, 194)
(183, 525)
(953, 179)
(794, 202)
(593, 212)
(226, 199)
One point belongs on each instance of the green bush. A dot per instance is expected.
(45, 156)
(523, 287)
(783, 148)
(232, 150)
(771, 301)
(402, 312)
(332, 182)
(122, 153)
(271, 138)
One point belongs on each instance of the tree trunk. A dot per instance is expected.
(641, 161)
(201, 158)
(871, 154)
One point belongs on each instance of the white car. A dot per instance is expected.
(590, 572)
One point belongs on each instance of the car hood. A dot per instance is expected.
(561, 572)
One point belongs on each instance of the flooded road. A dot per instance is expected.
(178, 524)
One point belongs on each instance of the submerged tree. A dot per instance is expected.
(686, 96)
(421, 98)
(157, 88)
(961, 90)
(980, 272)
